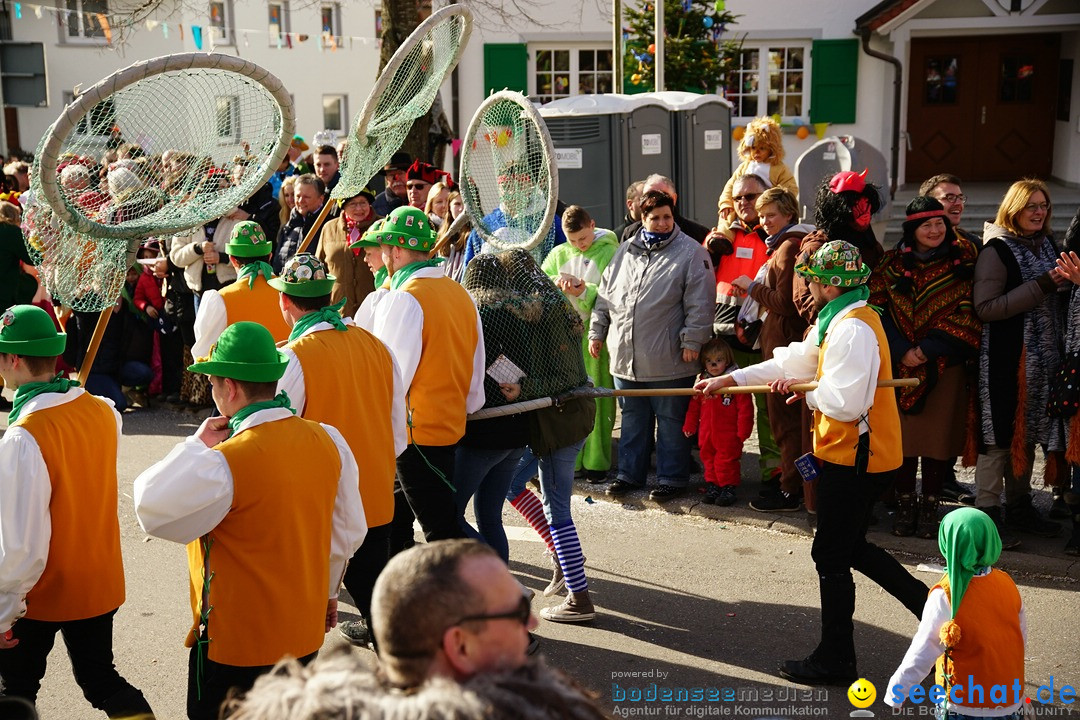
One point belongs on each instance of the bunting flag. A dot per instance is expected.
(104, 23)
(18, 11)
(196, 35)
(165, 30)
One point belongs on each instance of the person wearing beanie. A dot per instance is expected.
(972, 630)
(354, 280)
(266, 544)
(249, 298)
(924, 287)
(433, 328)
(363, 397)
(856, 449)
(58, 490)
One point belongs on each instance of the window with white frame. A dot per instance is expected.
(83, 20)
(558, 72)
(335, 113)
(99, 121)
(227, 117)
(277, 16)
(771, 79)
(221, 22)
(330, 17)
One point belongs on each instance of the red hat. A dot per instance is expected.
(423, 171)
(849, 180)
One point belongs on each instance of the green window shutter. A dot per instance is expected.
(506, 65)
(835, 80)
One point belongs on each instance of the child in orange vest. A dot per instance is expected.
(58, 489)
(972, 628)
(762, 153)
(722, 423)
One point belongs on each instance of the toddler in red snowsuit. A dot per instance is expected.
(722, 423)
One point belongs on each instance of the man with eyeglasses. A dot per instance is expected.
(449, 609)
(418, 180)
(945, 188)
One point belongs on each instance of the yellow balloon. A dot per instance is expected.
(738, 133)
(635, 78)
(776, 118)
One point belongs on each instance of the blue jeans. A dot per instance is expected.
(672, 447)
(484, 475)
(556, 472)
(132, 374)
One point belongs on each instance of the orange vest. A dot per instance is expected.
(268, 560)
(358, 402)
(749, 255)
(255, 304)
(436, 400)
(836, 441)
(991, 647)
(84, 573)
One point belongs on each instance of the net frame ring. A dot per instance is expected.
(531, 116)
(48, 178)
(446, 14)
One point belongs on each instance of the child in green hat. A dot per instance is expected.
(58, 491)
(972, 628)
(367, 244)
(244, 515)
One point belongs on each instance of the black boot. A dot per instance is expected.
(1072, 547)
(1021, 515)
(904, 520)
(833, 662)
(1008, 540)
(928, 517)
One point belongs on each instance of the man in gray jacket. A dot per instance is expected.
(655, 310)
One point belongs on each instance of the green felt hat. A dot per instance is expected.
(836, 263)
(248, 240)
(304, 275)
(368, 238)
(408, 227)
(245, 351)
(28, 330)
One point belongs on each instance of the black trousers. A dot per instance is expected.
(845, 498)
(420, 493)
(89, 646)
(366, 564)
(206, 694)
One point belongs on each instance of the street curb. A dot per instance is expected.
(1036, 558)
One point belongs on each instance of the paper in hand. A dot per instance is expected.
(503, 370)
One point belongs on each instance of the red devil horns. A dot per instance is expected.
(849, 180)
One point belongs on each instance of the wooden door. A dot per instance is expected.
(982, 107)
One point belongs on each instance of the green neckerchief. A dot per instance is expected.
(834, 307)
(402, 275)
(281, 400)
(253, 270)
(330, 314)
(380, 277)
(29, 391)
(968, 544)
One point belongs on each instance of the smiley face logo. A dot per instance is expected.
(862, 693)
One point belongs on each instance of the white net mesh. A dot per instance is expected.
(157, 148)
(404, 92)
(508, 178)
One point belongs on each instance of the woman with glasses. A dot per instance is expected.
(353, 277)
(1017, 297)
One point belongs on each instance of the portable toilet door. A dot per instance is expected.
(648, 144)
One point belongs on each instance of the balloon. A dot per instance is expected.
(652, 48)
(776, 118)
(803, 132)
(719, 6)
(707, 21)
(738, 133)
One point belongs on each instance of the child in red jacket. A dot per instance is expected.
(722, 424)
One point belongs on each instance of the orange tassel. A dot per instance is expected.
(1072, 443)
(971, 442)
(1018, 451)
(1055, 472)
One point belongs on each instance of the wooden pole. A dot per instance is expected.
(742, 389)
(95, 343)
(616, 48)
(315, 228)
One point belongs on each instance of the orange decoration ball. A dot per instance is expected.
(738, 133)
(652, 49)
(803, 132)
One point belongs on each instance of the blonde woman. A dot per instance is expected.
(452, 248)
(438, 198)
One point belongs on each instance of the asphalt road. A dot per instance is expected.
(689, 596)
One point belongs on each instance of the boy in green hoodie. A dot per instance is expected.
(576, 267)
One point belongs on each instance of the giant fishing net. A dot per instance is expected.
(196, 134)
(509, 182)
(404, 91)
(532, 335)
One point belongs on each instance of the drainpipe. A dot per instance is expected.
(898, 72)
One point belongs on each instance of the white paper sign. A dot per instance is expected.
(503, 370)
(744, 253)
(650, 144)
(714, 139)
(568, 158)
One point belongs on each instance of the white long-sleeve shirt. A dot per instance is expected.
(25, 520)
(926, 648)
(399, 322)
(365, 314)
(188, 493)
(849, 372)
(210, 322)
(293, 383)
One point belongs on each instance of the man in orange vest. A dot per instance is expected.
(433, 328)
(58, 490)
(248, 298)
(267, 536)
(362, 396)
(857, 450)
